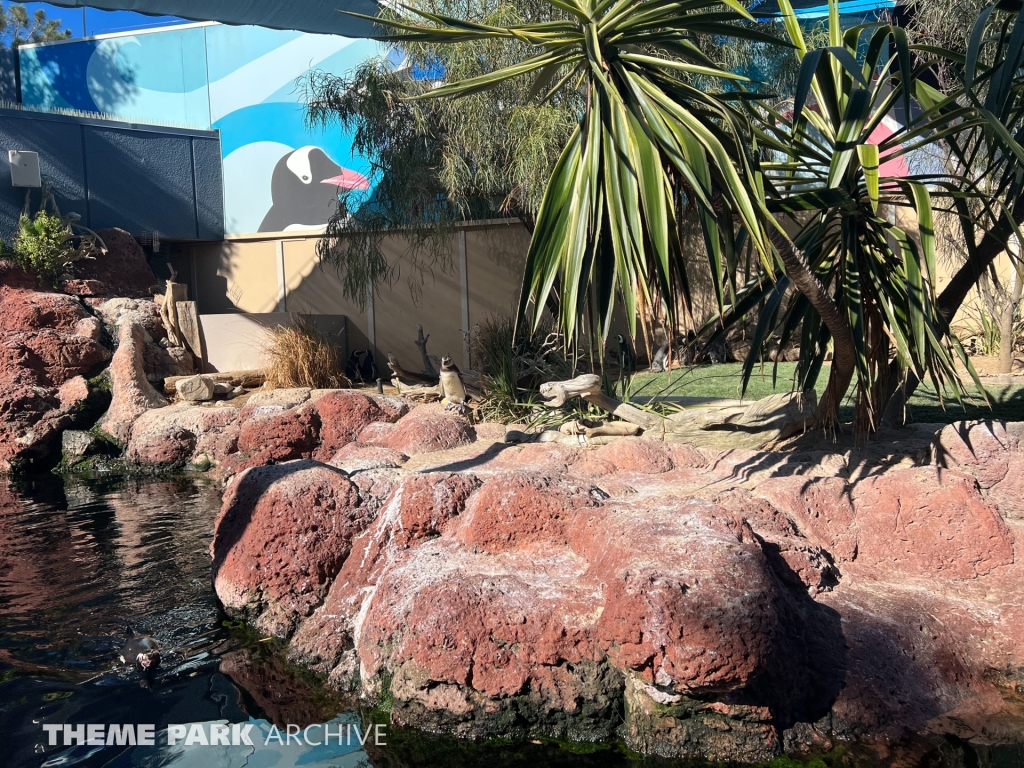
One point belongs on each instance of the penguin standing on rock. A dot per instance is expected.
(452, 387)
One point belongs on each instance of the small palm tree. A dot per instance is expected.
(607, 225)
(829, 149)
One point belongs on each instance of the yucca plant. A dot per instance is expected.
(824, 176)
(607, 226)
(607, 220)
(986, 151)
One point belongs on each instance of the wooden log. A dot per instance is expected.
(192, 330)
(730, 424)
(247, 379)
(408, 377)
(588, 387)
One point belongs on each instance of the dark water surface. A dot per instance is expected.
(80, 560)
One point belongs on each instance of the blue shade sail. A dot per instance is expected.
(302, 15)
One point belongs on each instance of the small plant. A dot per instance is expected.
(514, 367)
(44, 246)
(299, 356)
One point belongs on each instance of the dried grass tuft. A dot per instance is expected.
(299, 356)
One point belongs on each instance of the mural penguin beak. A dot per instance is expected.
(348, 180)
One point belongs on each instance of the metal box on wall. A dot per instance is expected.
(25, 168)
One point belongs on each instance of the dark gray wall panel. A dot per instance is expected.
(142, 179)
(209, 188)
(59, 145)
(140, 182)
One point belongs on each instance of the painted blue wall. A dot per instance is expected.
(278, 174)
(112, 174)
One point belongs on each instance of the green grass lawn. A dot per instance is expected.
(722, 381)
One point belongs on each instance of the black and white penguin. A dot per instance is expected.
(660, 361)
(452, 387)
(304, 190)
(688, 352)
(627, 357)
(141, 650)
(368, 368)
(353, 368)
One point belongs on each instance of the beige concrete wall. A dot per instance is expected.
(245, 276)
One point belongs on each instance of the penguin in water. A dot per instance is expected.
(304, 190)
(452, 387)
(627, 357)
(141, 650)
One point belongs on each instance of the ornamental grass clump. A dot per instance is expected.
(298, 355)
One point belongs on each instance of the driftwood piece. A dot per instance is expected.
(408, 377)
(176, 292)
(190, 328)
(421, 342)
(246, 379)
(588, 386)
(731, 424)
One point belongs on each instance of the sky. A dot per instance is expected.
(100, 22)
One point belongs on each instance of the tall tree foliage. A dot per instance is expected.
(18, 26)
(825, 177)
(438, 162)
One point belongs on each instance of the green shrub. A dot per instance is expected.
(43, 246)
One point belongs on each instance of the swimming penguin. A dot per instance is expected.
(304, 190)
(141, 650)
(452, 387)
(627, 357)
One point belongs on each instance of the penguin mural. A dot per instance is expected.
(304, 190)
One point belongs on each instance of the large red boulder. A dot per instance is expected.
(46, 341)
(930, 522)
(280, 436)
(122, 271)
(426, 429)
(343, 415)
(281, 537)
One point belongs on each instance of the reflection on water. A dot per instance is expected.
(80, 562)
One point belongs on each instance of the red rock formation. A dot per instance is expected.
(121, 271)
(717, 606)
(46, 340)
(281, 537)
(426, 429)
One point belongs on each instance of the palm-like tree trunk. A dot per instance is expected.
(844, 353)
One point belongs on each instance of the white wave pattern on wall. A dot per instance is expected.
(254, 82)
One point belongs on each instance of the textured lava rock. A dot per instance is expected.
(132, 394)
(281, 536)
(426, 429)
(929, 521)
(281, 436)
(184, 433)
(993, 453)
(121, 271)
(145, 312)
(47, 345)
(343, 415)
(717, 606)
